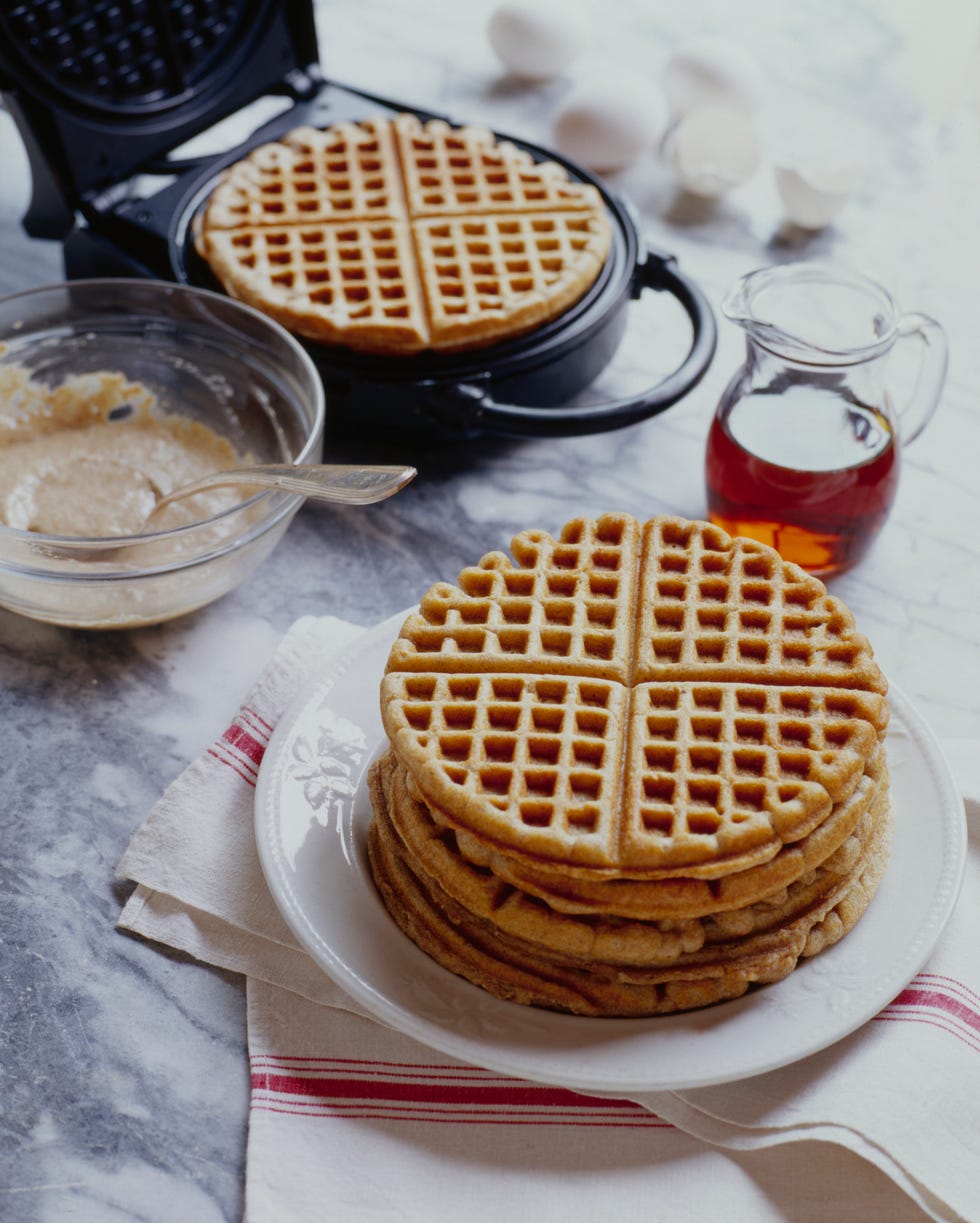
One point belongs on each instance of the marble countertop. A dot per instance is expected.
(104, 1113)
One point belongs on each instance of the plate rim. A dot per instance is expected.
(474, 1049)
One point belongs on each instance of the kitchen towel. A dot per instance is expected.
(352, 1120)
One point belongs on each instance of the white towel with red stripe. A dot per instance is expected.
(350, 1120)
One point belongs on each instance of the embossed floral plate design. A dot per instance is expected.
(311, 818)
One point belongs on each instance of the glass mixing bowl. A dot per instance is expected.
(204, 357)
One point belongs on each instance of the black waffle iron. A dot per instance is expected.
(105, 93)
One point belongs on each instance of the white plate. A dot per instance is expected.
(311, 817)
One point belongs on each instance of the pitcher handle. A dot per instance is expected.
(922, 404)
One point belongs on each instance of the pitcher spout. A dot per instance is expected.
(813, 313)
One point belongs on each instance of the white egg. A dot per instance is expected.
(812, 197)
(536, 39)
(712, 150)
(707, 70)
(608, 122)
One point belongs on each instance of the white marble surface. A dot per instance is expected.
(124, 1083)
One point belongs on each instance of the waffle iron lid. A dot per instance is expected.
(100, 87)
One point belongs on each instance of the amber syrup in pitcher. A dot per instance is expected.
(805, 470)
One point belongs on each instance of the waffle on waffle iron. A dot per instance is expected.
(393, 236)
(631, 770)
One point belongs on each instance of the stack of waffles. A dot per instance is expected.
(392, 236)
(632, 770)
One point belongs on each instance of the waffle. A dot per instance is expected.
(561, 607)
(495, 277)
(679, 601)
(514, 701)
(489, 243)
(750, 956)
(353, 282)
(628, 757)
(714, 607)
(482, 961)
(347, 173)
(592, 778)
(464, 171)
(720, 776)
(681, 898)
(496, 965)
(468, 893)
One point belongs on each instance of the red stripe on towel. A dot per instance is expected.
(245, 772)
(938, 1002)
(932, 1022)
(640, 1121)
(401, 1091)
(264, 727)
(244, 741)
(936, 999)
(956, 987)
(344, 1065)
(419, 1091)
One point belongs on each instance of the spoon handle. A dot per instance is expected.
(349, 484)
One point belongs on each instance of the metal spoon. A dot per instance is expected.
(348, 484)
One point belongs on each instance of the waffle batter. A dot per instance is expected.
(91, 457)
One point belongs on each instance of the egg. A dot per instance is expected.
(536, 39)
(708, 70)
(812, 197)
(610, 120)
(712, 150)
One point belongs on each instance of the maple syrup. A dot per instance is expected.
(805, 470)
(803, 452)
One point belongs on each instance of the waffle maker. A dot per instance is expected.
(105, 93)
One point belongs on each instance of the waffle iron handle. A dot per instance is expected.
(472, 409)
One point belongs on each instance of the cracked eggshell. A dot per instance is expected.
(712, 150)
(708, 70)
(813, 196)
(536, 39)
(608, 122)
(819, 157)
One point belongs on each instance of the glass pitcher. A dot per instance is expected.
(804, 450)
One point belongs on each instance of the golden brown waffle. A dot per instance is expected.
(499, 966)
(465, 171)
(486, 703)
(560, 606)
(714, 607)
(844, 916)
(482, 961)
(718, 777)
(532, 763)
(630, 761)
(347, 173)
(809, 908)
(499, 243)
(673, 898)
(467, 893)
(493, 277)
(535, 766)
(353, 282)
(684, 602)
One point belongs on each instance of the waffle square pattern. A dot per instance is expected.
(654, 739)
(573, 704)
(393, 236)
